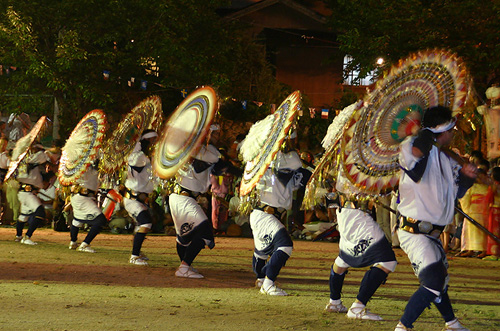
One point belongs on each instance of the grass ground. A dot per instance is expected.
(49, 287)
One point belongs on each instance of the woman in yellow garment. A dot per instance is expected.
(473, 204)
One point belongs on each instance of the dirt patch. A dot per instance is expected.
(155, 275)
(114, 275)
(70, 290)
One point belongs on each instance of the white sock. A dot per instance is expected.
(267, 283)
(335, 302)
(358, 305)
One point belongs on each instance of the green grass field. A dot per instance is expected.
(49, 287)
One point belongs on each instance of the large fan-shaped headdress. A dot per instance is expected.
(82, 146)
(370, 145)
(326, 169)
(264, 140)
(146, 115)
(185, 131)
(23, 145)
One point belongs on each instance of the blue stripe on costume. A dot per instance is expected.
(381, 251)
(281, 239)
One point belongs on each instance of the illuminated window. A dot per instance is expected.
(151, 67)
(352, 77)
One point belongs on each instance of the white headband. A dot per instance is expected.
(148, 135)
(443, 127)
(39, 146)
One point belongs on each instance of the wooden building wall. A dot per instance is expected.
(301, 48)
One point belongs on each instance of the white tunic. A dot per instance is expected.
(199, 182)
(139, 181)
(432, 199)
(29, 201)
(29, 204)
(85, 207)
(4, 160)
(33, 176)
(272, 191)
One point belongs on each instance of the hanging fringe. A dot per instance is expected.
(256, 137)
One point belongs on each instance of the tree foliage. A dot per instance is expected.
(368, 29)
(62, 48)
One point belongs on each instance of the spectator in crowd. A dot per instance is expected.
(235, 147)
(474, 203)
(221, 185)
(3, 137)
(236, 218)
(493, 200)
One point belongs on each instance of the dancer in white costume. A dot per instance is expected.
(428, 188)
(192, 226)
(362, 244)
(31, 180)
(139, 185)
(85, 210)
(271, 238)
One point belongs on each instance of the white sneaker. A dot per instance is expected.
(73, 245)
(18, 238)
(85, 248)
(401, 327)
(137, 260)
(273, 290)
(143, 256)
(259, 282)
(336, 308)
(28, 241)
(360, 313)
(187, 273)
(454, 326)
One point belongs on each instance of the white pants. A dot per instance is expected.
(186, 213)
(29, 204)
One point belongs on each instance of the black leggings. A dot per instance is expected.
(96, 226)
(34, 221)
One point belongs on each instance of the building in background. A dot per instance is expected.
(299, 45)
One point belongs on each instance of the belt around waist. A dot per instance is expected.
(87, 192)
(133, 195)
(420, 227)
(26, 188)
(270, 210)
(354, 204)
(188, 193)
